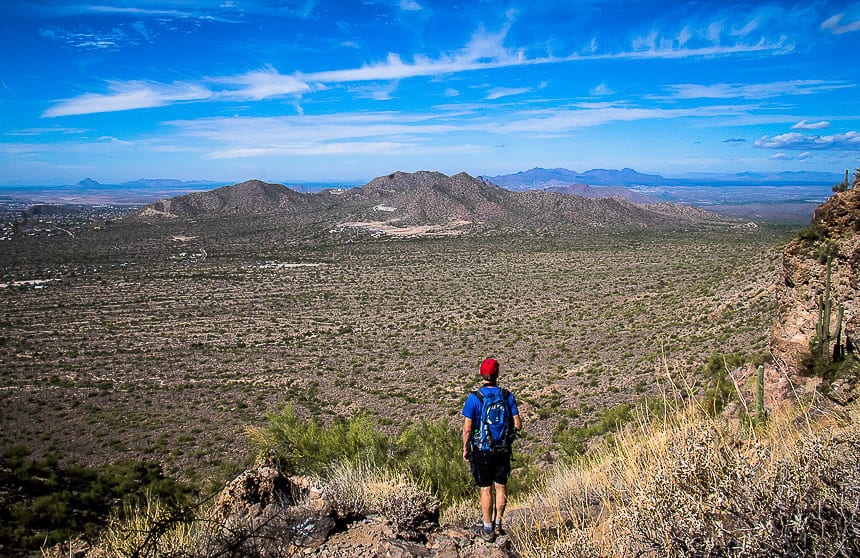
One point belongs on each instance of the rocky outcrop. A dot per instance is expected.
(835, 230)
(265, 511)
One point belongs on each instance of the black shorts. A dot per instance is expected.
(489, 468)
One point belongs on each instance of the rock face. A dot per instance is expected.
(835, 228)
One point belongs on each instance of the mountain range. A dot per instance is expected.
(401, 200)
(539, 178)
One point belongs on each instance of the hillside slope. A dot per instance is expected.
(252, 196)
(428, 198)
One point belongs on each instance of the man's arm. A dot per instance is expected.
(518, 422)
(467, 437)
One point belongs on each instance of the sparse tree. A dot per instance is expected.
(842, 186)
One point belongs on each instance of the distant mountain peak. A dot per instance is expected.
(89, 183)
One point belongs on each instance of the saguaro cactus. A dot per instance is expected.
(825, 308)
(823, 336)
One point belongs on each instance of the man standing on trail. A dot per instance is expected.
(491, 423)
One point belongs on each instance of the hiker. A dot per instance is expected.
(491, 421)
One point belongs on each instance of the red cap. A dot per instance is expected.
(489, 367)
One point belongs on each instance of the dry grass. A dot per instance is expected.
(362, 489)
(689, 485)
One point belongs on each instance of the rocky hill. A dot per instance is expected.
(587, 191)
(402, 200)
(834, 234)
(252, 196)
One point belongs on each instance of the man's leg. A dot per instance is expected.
(501, 501)
(487, 504)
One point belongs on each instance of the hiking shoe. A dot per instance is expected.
(489, 536)
(498, 530)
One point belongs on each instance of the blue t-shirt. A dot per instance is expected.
(472, 408)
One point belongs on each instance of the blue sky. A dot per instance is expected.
(318, 90)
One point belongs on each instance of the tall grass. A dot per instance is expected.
(690, 484)
(364, 489)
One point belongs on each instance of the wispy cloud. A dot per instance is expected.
(834, 25)
(584, 115)
(795, 140)
(135, 11)
(805, 125)
(262, 84)
(499, 92)
(754, 90)
(484, 51)
(43, 131)
(373, 132)
(129, 95)
(110, 39)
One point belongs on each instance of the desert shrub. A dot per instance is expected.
(149, 527)
(428, 451)
(431, 451)
(720, 389)
(695, 485)
(44, 503)
(573, 440)
(308, 446)
(812, 233)
(362, 489)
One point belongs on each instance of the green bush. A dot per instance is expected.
(43, 503)
(432, 452)
(720, 389)
(572, 440)
(307, 446)
(429, 451)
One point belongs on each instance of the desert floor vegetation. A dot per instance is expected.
(164, 341)
(141, 350)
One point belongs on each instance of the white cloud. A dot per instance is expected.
(795, 140)
(128, 96)
(834, 25)
(410, 5)
(754, 90)
(585, 115)
(376, 92)
(601, 90)
(264, 84)
(117, 141)
(105, 9)
(750, 26)
(499, 92)
(307, 149)
(805, 125)
(485, 50)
